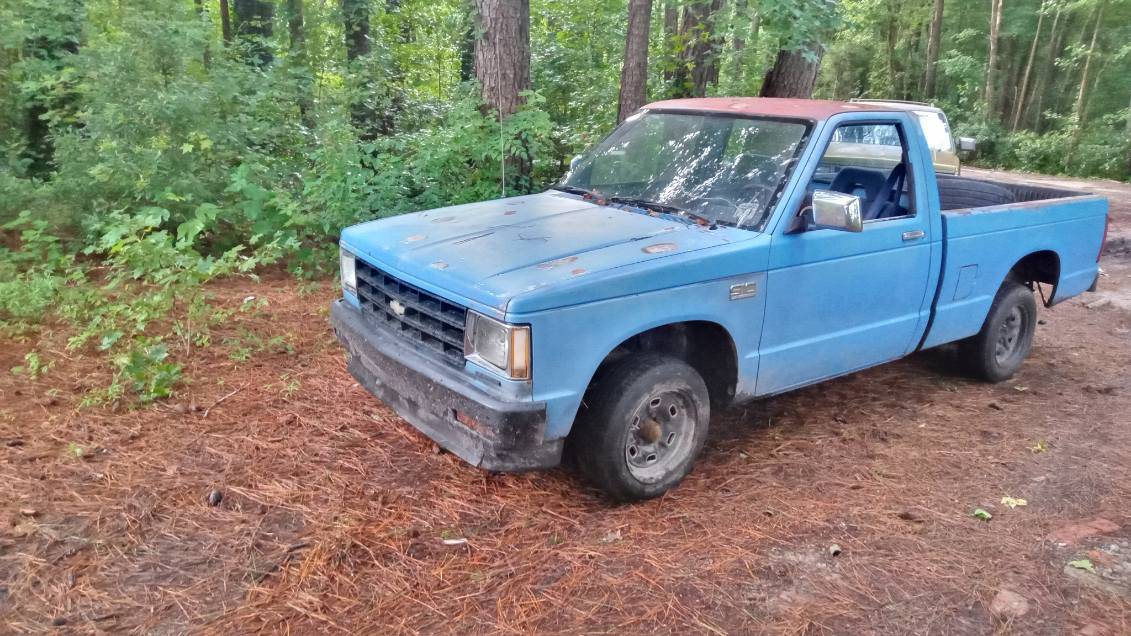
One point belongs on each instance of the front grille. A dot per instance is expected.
(428, 321)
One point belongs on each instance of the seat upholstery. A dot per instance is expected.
(850, 180)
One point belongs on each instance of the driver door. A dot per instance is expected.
(839, 301)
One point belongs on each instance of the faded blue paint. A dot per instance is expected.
(828, 302)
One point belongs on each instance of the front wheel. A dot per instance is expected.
(643, 424)
(998, 350)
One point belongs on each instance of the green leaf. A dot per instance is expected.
(1083, 564)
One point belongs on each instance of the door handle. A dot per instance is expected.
(914, 235)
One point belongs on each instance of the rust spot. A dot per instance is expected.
(508, 213)
(659, 248)
(414, 238)
(578, 272)
(557, 263)
(440, 265)
(444, 219)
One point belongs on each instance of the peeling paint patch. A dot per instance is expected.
(440, 265)
(659, 248)
(509, 213)
(414, 238)
(578, 272)
(557, 263)
(444, 219)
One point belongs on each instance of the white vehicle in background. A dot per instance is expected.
(936, 128)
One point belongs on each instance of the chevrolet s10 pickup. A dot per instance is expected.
(704, 253)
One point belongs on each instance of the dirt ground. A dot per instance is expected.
(844, 508)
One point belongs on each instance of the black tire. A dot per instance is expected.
(620, 413)
(960, 193)
(998, 350)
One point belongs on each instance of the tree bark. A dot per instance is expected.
(355, 21)
(467, 44)
(295, 24)
(296, 28)
(254, 24)
(1051, 55)
(634, 72)
(991, 63)
(792, 75)
(700, 44)
(934, 40)
(502, 66)
(1082, 93)
(502, 52)
(206, 56)
(1022, 93)
(671, 32)
(716, 42)
(226, 21)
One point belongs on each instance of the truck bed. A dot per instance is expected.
(1059, 229)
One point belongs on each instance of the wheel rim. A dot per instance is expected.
(1010, 336)
(660, 436)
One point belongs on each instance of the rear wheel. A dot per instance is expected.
(643, 423)
(998, 350)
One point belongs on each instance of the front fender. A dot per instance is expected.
(570, 343)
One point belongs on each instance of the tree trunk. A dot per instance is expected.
(694, 69)
(355, 21)
(634, 73)
(502, 66)
(716, 42)
(254, 24)
(1022, 93)
(295, 26)
(934, 39)
(892, 45)
(226, 21)
(793, 74)
(467, 44)
(671, 32)
(1082, 95)
(1051, 56)
(363, 112)
(991, 63)
(206, 56)
(502, 52)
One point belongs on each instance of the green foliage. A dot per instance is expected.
(142, 157)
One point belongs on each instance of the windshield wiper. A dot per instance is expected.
(667, 209)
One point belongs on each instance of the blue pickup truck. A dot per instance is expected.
(704, 253)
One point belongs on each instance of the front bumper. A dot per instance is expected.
(508, 436)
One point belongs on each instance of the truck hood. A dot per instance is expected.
(494, 252)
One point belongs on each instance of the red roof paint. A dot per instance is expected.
(771, 106)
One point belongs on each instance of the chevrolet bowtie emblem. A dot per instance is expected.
(397, 307)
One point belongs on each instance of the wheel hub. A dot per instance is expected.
(1009, 335)
(660, 435)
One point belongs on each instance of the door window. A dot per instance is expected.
(868, 161)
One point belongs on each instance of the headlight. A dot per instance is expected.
(349, 272)
(505, 347)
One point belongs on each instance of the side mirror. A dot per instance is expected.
(967, 144)
(834, 211)
(573, 162)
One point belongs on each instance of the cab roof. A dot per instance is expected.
(812, 109)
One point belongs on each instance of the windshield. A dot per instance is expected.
(725, 169)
